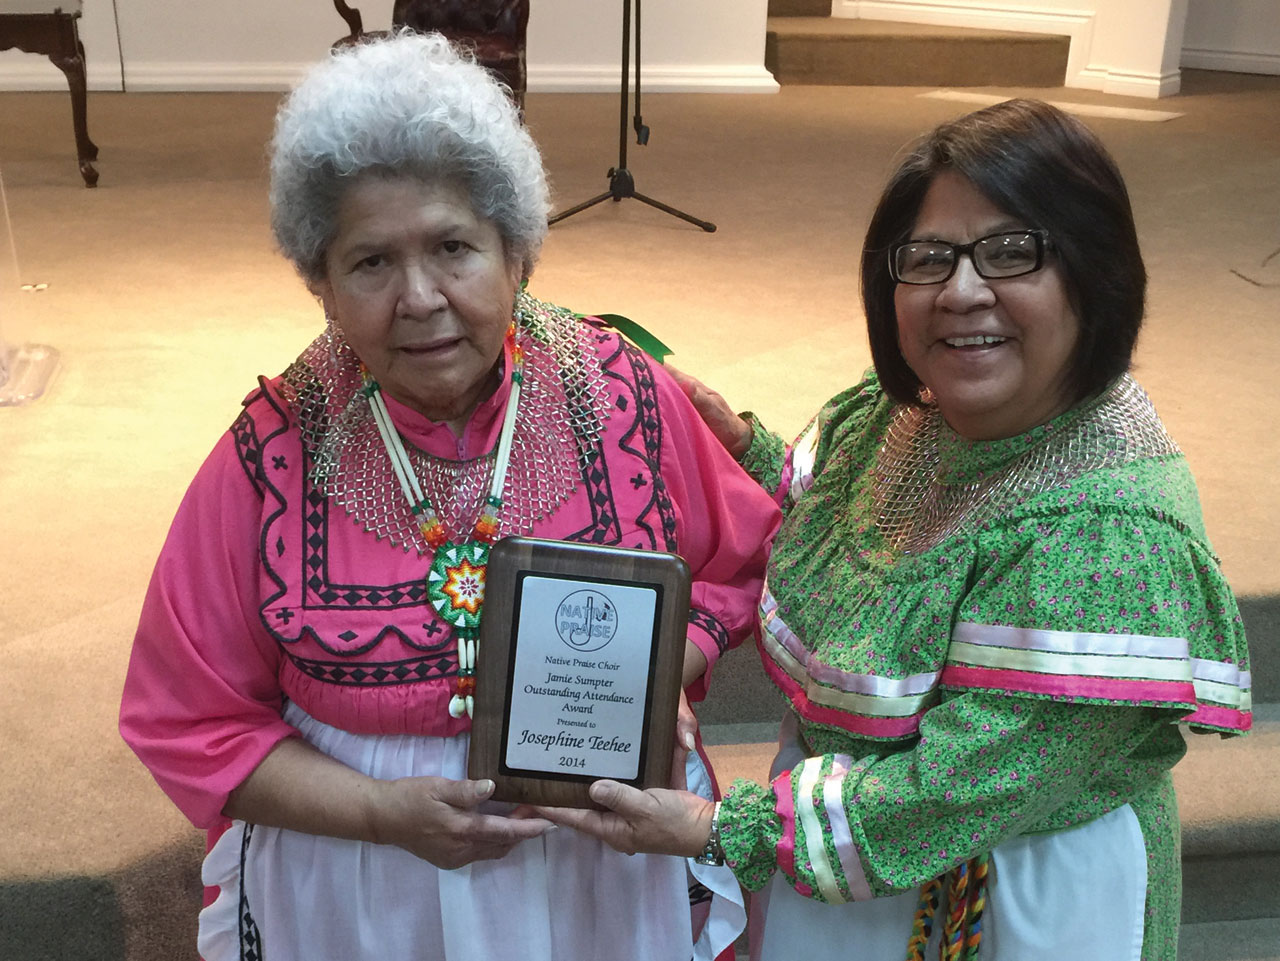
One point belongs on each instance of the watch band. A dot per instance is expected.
(712, 852)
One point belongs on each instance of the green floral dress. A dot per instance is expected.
(983, 642)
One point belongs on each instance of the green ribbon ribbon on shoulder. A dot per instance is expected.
(629, 329)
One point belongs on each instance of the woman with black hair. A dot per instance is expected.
(992, 600)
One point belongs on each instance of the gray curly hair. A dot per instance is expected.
(407, 105)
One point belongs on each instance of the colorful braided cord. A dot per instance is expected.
(922, 923)
(957, 905)
(966, 900)
(977, 903)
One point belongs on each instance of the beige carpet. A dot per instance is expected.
(166, 300)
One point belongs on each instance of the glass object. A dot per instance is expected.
(995, 256)
(26, 370)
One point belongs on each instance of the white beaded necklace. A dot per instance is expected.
(455, 582)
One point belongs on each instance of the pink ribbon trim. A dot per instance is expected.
(1108, 688)
(859, 724)
(1215, 716)
(784, 807)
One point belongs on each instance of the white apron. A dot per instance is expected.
(1076, 895)
(287, 896)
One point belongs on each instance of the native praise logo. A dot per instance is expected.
(586, 620)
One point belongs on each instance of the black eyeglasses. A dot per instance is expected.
(996, 256)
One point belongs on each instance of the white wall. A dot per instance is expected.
(1127, 47)
(1240, 35)
(686, 45)
(22, 71)
(1131, 47)
(257, 45)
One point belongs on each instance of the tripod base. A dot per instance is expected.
(622, 185)
(29, 368)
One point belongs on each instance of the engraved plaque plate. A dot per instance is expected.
(578, 669)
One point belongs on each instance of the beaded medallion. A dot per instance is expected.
(455, 584)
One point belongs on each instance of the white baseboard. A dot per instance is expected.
(177, 76)
(1149, 86)
(38, 73)
(605, 78)
(207, 77)
(1234, 61)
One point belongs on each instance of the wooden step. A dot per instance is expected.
(799, 8)
(1257, 940)
(1229, 805)
(833, 51)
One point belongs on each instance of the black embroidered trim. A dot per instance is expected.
(331, 595)
(384, 674)
(634, 386)
(248, 449)
(698, 893)
(648, 421)
(320, 592)
(708, 623)
(250, 937)
(244, 433)
(639, 395)
(604, 527)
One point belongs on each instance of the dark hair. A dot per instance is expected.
(1038, 164)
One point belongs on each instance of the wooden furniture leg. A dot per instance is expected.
(72, 65)
(84, 114)
(55, 36)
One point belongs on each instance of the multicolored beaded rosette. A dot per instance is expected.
(455, 582)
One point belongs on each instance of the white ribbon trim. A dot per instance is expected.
(872, 695)
(804, 457)
(1070, 642)
(868, 705)
(841, 831)
(1083, 665)
(813, 833)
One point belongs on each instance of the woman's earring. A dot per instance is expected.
(331, 335)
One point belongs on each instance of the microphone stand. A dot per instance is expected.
(621, 183)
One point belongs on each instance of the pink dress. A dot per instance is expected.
(273, 612)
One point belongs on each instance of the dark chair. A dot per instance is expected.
(493, 30)
(48, 27)
(355, 24)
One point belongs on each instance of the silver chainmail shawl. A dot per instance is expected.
(916, 509)
(563, 405)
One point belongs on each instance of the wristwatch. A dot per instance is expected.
(712, 852)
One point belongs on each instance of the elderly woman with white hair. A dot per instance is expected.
(297, 684)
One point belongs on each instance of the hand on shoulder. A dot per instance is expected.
(731, 430)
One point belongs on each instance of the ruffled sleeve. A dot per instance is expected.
(766, 460)
(201, 703)
(1108, 605)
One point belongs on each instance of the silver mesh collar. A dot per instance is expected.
(916, 511)
(563, 405)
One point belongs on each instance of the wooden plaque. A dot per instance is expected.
(578, 669)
